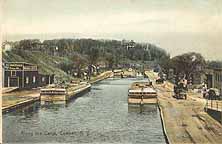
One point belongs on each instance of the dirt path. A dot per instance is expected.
(12, 98)
(185, 120)
(31, 93)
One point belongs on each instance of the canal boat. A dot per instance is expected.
(118, 73)
(58, 94)
(142, 93)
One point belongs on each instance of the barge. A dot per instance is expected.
(62, 95)
(142, 93)
(118, 73)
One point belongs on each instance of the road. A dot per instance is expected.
(185, 120)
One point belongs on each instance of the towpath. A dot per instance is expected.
(185, 120)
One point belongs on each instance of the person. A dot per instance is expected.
(204, 90)
(175, 90)
(184, 81)
(121, 75)
(181, 86)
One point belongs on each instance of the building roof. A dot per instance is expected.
(213, 69)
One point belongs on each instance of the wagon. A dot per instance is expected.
(180, 93)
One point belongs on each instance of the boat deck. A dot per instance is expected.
(142, 93)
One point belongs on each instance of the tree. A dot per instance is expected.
(66, 67)
(27, 44)
(93, 55)
(110, 60)
(79, 62)
(188, 63)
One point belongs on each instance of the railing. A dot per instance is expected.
(214, 104)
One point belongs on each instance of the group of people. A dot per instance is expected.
(210, 93)
(204, 90)
(181, 85)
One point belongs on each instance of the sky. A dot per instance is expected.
(178, 26)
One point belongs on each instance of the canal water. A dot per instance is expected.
(100, 116)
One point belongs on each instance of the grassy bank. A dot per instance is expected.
(47, 64)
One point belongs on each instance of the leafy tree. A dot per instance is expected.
(188, 63)
(66, 67)
(109, 58)
(93, 55)
(79, 62)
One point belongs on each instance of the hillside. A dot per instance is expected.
(70, 56)
(47, 64)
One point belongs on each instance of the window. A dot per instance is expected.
(43, 79)
(217, 77)
(220, 77)
(13, 73)
(27, 80)
(33, 79)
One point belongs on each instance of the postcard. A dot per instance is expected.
(111, 71)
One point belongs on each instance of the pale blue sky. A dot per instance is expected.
(176, 25)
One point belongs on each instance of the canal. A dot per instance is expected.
(100, 116)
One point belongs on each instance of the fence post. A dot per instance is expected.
(221, 117)
(217, 105)
(220, 112)
(206, 106)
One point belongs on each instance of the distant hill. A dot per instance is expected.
(68, 56)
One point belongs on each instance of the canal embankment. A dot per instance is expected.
(15, 99)
(101, 77)
(21, 104)
(185, 121)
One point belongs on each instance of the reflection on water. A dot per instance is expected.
(142, 109)
(100, 116)
(27, 110)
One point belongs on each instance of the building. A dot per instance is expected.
(128, 44)
(24, 75)
(5, 45)
(214, 78)
(2, 81)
